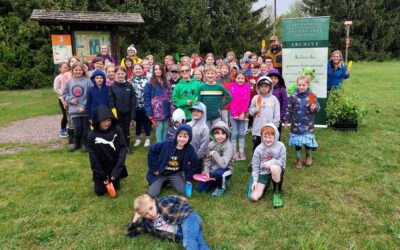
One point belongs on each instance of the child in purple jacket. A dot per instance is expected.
(279, 91)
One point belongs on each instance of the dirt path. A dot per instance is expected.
(36, 130)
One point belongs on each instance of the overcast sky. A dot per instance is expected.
(281, 5)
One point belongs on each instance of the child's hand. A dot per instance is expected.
(81, 110)
(254, 185)
(241, 116)
(157, 173)
(189, 102)
(312, 107)
(285, 125)
(74, 101)
(112, 178)
(136, 217)
(252, 81)
(212, 153)
(258, 108)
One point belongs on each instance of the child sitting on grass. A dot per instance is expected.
(169, 217)
(174, 161)
(107, 150)
(268, 163)
(219, 161)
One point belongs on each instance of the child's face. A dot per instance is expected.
(268, 62)
(111, 73)
(268, 139)
(209, 60)
(253, 59)
(264, 89)
(260, 60)
(73, 60)
(149, 211)
(150, 60)
(218, 74)
(254, 70)
(157, 71)
(220, 135)
(77, 72)
(275, 80)
(264, 69)
(128, 63)
(120, 76)
(131, 53)
(99, 65)
(302, 85)
(196, 114)
(219, 62)
(183, 138)
(185, 60)
(145, 66)
(138, 70)
(210, 76)
(224, 70)
(98, 80)
(64, 68)
(197, 75)
(240, 79)
(105, 124)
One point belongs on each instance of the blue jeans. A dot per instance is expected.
(238, 132)
(192, 233)
(161, 130)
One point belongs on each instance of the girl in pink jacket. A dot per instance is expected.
(239, 106)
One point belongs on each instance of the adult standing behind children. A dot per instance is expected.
(275, 52)
(186, 92)
(211, 95)
(158, 101)
(122, 98)
(337, 70)
(107, 150)
(105, 54)
(173, 161)
(132, 53)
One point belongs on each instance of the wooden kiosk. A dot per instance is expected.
(83, 32)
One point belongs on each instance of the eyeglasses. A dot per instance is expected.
(184, 70)
(174, 72)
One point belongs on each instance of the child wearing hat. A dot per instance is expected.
(132, 53)
(201, 132)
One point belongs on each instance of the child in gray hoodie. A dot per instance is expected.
(268, 163)
(265, 108)
(201, 132)
(219, 161)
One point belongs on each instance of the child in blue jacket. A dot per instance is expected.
(98, 94)
(174, 161)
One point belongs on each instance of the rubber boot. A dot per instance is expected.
(277, 200)
(308, 160)
(299, 164)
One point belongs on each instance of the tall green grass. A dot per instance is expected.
(349, 198)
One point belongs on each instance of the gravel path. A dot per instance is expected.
(36, 130)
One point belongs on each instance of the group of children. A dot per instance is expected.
(198, 121)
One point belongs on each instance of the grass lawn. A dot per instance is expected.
(349, 198)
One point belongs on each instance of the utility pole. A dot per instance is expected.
(274, 16)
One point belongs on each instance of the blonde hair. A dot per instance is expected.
(230, 53)
(306, 78)
(111, 65)
(210, 68)
(340, 65)
(141, 201)
(78, 64)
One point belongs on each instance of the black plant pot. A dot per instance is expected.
(345, 126)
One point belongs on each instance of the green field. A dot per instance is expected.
(349, 198)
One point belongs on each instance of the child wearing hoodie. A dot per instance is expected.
(169, 217)
(172, 161)
(268, 164)
(122, 97)
(75, 94)
(98, 93)
(201, 132)
(178, 118)
(279, 91)
(219, 161)
(107, 150)
(265, 108)
(302, 106)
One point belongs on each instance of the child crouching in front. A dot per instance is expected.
(219, 161)
(268, 163)
(107, 150)
(169, 217)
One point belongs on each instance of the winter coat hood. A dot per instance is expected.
(179, 116)
(98, 72)
(103, 112)
(183, 127)
(275, 72)
(199, 106)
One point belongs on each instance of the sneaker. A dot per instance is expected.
(147, 143)
(308, 160)
(218, 192)
(137, 143)
(277, 200)
(63, 133)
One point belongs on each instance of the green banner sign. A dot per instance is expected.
(305, 43)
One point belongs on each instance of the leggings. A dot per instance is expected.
(64, 113)
(142, 121)
(161, 130)
(81, 125)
